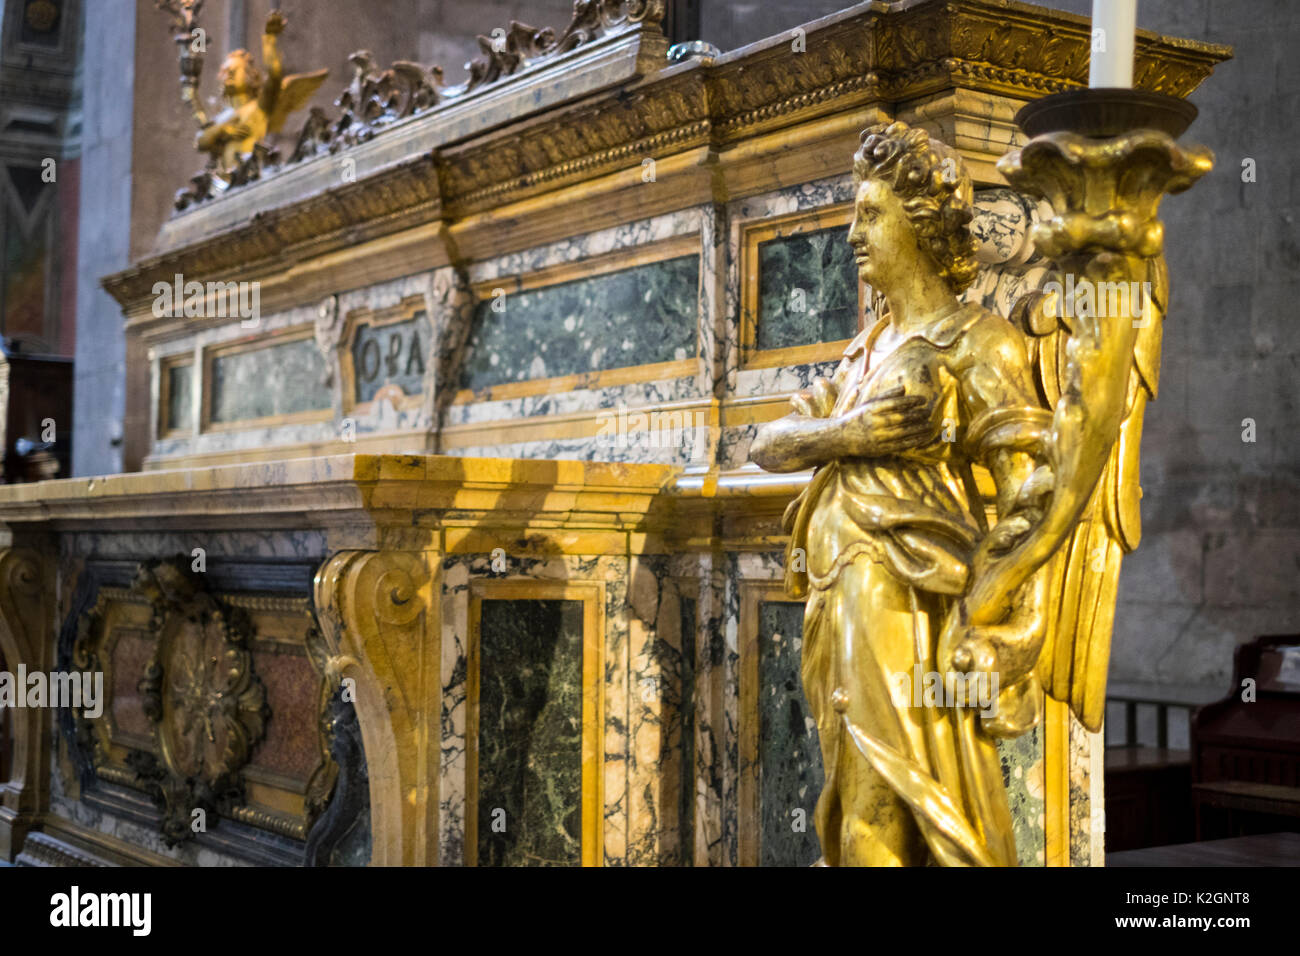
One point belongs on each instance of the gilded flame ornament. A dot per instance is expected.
(908, 571)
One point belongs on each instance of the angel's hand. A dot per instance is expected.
(1007, 533)
(275, 23)
(1008, 650)
(816, 401)
(965, 650)
(889, 423)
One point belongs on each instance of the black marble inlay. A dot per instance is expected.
(807, 289)
(789, 755)
(635, 316)
(392, 354)
(341, 835)
(530, 733)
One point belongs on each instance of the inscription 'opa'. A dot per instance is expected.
(400, 355)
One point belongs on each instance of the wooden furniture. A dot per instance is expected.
(1269, 849)
(34, 390)
(1148, 799)
(1246, 747)
(1149, 788)
(1242, 796)
(1172, 705)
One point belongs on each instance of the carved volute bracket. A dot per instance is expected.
(451, 309)
(379, 619)
(27, 608)
(329, 329)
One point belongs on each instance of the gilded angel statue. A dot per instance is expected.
(255, 105)
(934, 531)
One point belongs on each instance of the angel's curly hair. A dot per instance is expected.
(252, 74)
(935, 188)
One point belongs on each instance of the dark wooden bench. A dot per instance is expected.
(1243, 796)
(1148, 782)
(1148, 797)
(1246, 752)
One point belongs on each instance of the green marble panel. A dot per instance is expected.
(789, 754)
(530, 733)
(807, 289)
(273, 380)
(635, 316)
(180, 396)
(1021, 758)
(391, 354)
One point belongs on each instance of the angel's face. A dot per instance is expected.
(235, 74)
(883, 238)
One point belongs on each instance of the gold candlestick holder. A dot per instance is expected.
(1102, 159)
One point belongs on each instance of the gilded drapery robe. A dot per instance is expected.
(888, 542)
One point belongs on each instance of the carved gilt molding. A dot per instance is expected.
(376, 98)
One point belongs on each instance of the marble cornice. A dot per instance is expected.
(457, 166)
(428, 491)
(432, 502)
(269, 241)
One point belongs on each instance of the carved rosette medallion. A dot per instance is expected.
(207, 705)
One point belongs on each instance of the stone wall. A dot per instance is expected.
(729, 24)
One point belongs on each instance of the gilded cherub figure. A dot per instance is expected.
(893, 525)
(255, 105)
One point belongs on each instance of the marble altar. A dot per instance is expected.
(477, 472)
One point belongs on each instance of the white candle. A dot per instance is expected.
(1114, 31)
